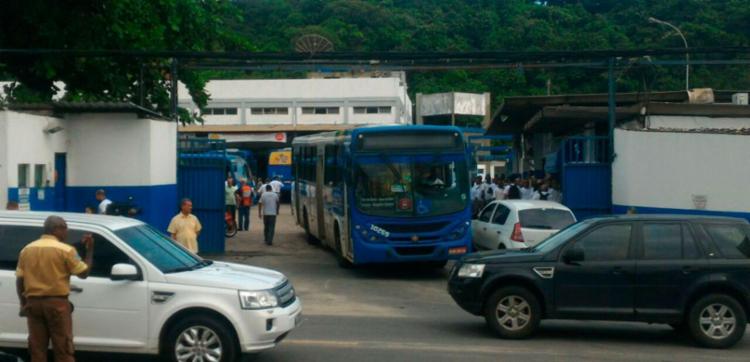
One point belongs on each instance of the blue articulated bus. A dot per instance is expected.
(385, 194)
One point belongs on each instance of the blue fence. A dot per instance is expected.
(201, 177)
(587, 176)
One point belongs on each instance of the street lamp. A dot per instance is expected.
(687, 55)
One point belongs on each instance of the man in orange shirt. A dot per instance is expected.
(43, 284)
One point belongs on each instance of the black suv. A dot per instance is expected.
(690, 272)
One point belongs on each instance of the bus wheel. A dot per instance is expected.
(343, 262)
(308, 236)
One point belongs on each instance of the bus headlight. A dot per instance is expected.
(459, 232)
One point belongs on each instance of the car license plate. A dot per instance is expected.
(298, 319)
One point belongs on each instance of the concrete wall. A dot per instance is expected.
(670, 172)
(129, 157)
(696, 122)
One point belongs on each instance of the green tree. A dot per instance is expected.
(190, 25)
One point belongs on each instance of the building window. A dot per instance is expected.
(220, 111)
(39, 175)
(269, 110)
(23, 175)
(372, 110)
(320, 110)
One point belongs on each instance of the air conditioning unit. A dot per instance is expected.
(740, 99)
(701, 96)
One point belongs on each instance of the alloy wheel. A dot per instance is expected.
(198, 344)
(513, 312)
(717, 321)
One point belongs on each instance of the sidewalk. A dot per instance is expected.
(289, 237)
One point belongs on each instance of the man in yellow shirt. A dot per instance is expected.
(43, 284)
(185, 227)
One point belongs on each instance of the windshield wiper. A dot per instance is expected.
(198, 265)
(179, 269)
(201, 264)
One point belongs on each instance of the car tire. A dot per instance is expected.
(208, 335)
(717, 321)
(513, 312)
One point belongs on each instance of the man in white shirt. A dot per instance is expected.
(527, 193)
(497, 191)
(478, 195)
(276, 185)
(268, 209)
(104, 202)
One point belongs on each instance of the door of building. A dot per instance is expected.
(60, 180)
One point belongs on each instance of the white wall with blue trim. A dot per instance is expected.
(128, 156)
(681, 172)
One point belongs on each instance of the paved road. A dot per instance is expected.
(404, 314)
(392, 313)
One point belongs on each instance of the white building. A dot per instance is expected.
(54, 157)
(239, 105)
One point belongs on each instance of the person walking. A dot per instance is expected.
(104, 202)
(43, 284)
(276, 184)
(268, 208)
(230, 198)
(245, 193)
(185, 227)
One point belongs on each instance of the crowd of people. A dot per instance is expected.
(485, 190)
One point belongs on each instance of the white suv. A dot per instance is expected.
(148, 295)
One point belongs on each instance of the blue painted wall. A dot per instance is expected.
(158, 203)
(622, 209)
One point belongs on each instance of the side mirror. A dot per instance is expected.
(124, 271)
(573, 255)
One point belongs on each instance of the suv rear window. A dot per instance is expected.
(548, 219)
(732, 240)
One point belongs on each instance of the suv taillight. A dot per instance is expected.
(517, 236)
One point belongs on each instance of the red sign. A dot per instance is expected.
(280, 137)
(404, 204)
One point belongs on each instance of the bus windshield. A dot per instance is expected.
(407, 186)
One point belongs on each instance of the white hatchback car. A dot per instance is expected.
(147, 295)
(516, 224)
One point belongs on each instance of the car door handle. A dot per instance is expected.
(485, 229)
(76, 289)
(499, 232)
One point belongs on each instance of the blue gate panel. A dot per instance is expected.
(587, 189)
(201, 179)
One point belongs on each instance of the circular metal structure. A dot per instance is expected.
(198, 344)
(312, 44)
(513, 313)
(717, 321)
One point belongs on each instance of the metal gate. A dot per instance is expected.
(587, 176)
(201, 174)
